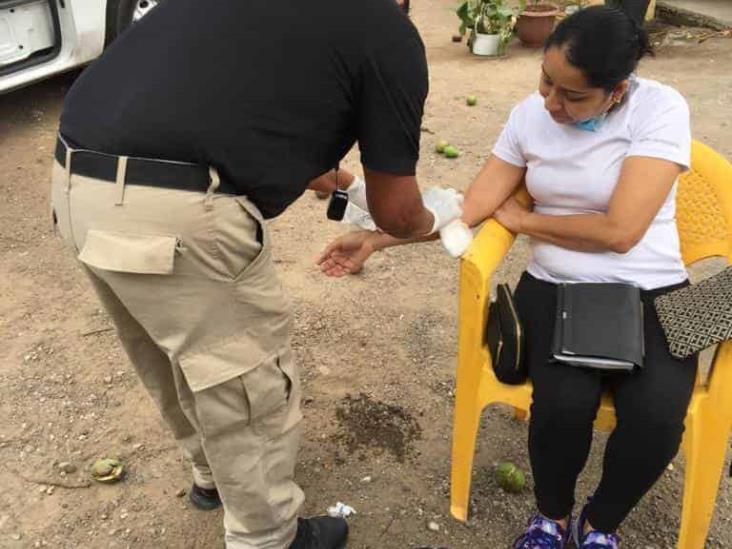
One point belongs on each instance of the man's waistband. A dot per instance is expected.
(139, 171)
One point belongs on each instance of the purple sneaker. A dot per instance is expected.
(593, 539)
(542, 533)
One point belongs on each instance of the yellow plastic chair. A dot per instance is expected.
(704, 213)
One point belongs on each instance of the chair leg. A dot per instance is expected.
(705, 449)
(464, 436)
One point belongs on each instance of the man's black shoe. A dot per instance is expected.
(204, 498)
(321, 533)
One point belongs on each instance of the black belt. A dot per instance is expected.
(141, 171)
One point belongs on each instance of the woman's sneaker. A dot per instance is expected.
(593, 539)
(542, 533)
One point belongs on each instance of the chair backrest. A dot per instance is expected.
(704, 206)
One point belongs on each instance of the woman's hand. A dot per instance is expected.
(347, 253)
(511, 214)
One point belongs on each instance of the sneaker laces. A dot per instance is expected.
(598, 540)
(542, 533)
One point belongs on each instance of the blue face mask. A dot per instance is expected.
(591, 124)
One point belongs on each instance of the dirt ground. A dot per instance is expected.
(377, 350)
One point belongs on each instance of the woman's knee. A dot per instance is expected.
(565, 407)
(655, 423)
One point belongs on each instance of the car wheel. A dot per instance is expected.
(123, 13)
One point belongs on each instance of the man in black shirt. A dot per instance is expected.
(204, 119)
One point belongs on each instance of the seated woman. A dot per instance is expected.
(600, 151)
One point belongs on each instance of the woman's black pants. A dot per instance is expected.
(650, 405)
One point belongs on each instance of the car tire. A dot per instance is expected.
(123, 13)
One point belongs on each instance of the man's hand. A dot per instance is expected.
(511, 215)
(445, 205)
(347, 254)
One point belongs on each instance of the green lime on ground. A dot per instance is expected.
(451, 152)
(510, 477)
(441, 146)
(107, 470)
(471, 100)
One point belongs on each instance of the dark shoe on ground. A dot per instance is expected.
(204, 499)
(542, 533)
(321, 533)
(593, 539)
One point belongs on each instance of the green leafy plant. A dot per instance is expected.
(466, 12)
(487, 17)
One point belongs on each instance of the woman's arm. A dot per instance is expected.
(642, 189)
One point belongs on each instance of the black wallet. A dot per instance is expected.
(505, 338)
(599, 326)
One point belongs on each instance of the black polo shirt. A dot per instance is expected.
(271, 93)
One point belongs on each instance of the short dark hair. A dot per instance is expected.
(604, 43)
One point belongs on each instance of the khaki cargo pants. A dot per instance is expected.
(189, 282)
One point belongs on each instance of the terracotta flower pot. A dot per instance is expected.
(536, 23)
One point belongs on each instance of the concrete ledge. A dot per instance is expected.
(684, 17)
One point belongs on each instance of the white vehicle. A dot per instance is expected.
(40, 38)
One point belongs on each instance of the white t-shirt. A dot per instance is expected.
(574, 171)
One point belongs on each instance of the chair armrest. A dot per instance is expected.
(476, 269)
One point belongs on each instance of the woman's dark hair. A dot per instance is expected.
(604, 43)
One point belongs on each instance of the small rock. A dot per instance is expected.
(670, 467)
(107, 379)
(67, 467)
(433, 526)
(123, 516)
(50, 490)
(366, 479)
(42, 489)
(16, 536)
(137, 446)
(180, 493)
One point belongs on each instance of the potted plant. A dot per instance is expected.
(536, 22)
(491, 25)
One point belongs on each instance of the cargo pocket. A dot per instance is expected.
(129, 253)
(238, 241)
(264, 396)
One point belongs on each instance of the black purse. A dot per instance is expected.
(505, 338)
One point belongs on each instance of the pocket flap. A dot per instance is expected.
(223, 361)
(129, 253)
